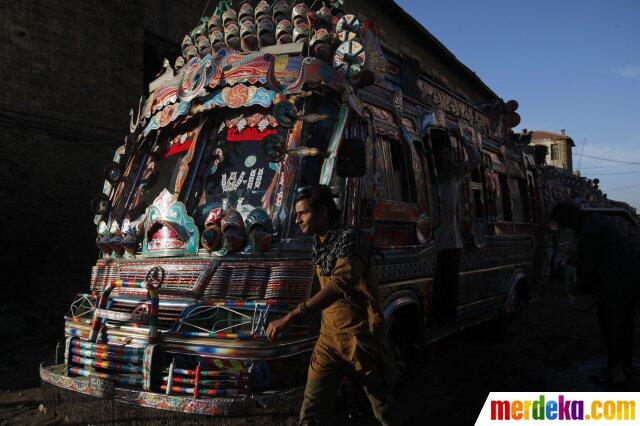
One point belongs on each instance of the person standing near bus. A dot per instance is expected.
(352, 339)
(606, 269)
(451, 172)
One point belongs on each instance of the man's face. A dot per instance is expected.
(310, 220)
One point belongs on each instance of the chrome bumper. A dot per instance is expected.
(285, 401)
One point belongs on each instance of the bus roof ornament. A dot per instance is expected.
(285, 113)
(273, 148)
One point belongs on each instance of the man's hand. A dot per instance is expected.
(322, 299)
(276, 326)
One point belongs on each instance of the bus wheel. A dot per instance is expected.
(405, 337)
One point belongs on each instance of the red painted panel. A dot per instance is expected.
(395, 211)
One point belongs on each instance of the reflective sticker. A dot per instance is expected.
(258, 179)
(251, 134)
(250, 161)
(252, 177)
(275, 166)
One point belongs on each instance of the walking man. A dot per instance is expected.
(606, 270)
(352, 339)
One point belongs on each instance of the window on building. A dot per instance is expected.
(554, 152)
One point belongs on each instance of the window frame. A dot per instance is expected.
(407, 185)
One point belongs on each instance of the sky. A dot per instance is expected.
(570, 64)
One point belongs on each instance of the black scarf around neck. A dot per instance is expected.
(339, 243)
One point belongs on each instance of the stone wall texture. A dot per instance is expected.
(70, 72)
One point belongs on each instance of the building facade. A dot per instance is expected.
(559, 147)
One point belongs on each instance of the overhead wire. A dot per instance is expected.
(584, 142)
(617, 173)
(608, 159)
(605, 167)
(624, 187)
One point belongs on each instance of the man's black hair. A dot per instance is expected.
(567, 215)
(318, 196)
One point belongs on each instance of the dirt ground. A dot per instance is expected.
(556, 349)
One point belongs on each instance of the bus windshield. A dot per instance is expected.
(238, 174)
(164, 168)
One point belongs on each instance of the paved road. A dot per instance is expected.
(556, 349)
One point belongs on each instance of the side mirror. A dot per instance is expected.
(352, 159)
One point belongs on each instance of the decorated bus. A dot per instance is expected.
(198, 246)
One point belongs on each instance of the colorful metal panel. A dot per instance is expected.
(166, 116)
(396, 211)
(147, 365)
(236, 97)
(151, 284)
(217, 406)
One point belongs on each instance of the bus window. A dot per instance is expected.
(398, 168)
(442, 152)
(238, 173)
(422, 160)
(532, 197)
(162, 170)
(396, 184)
(505, 198)
(477, 196)
(317, 135)
(525, 197)
(517, 201)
